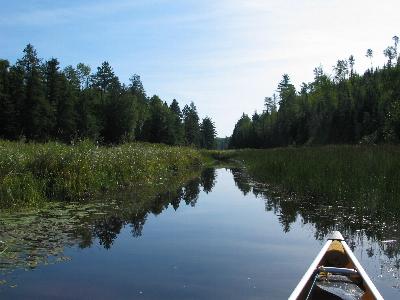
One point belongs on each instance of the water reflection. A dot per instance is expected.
(376, 225)
(28, 239)
(207, 178)
(375, 232)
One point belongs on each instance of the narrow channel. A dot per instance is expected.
(220, 236)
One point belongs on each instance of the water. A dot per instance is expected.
(218, 237)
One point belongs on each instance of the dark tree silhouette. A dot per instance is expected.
(330, 110)
(40, 102)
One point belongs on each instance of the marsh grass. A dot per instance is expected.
(360, 176)
(35, 173)
(218, 158)
(30, 237)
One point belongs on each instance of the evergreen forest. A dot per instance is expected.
(41, 102)
(342, 108)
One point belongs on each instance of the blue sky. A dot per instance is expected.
(225, 55)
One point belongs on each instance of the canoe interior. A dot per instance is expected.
(336, 256)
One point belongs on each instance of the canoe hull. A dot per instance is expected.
(337, 257)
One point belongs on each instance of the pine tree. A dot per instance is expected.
(141, 105)
(191, 125)
(8, 126)
(66, 114)
(155, 128)
(208, 133)
(40, 102)
(52, 77)
(36, 111)
(176, 129)
(104, 79)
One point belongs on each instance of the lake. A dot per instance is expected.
(220, 236)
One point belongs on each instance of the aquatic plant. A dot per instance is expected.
(34, 173)
(363, 176)
(32, 237)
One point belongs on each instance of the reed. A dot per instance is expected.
(361, 176)
(34, 173)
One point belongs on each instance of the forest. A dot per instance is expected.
(41, 102)
(342, 108)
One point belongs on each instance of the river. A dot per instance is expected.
(220, 236)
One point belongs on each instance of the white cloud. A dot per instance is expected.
(263, 39)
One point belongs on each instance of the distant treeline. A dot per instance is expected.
(345, 108)
(221, 143)
(40, 102)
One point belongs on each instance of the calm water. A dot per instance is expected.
(218, 237)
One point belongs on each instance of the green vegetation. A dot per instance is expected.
(33, 173)
(40, 102)
(345, 108)
(217, 155)
(32, 237)
(222, 143)
(360, 176)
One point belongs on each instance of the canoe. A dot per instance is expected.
(335, 274)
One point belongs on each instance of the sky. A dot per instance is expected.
(225, 55)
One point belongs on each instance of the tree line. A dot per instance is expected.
(342, 108)
(41, 102)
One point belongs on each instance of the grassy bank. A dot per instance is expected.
(360, 176)
(33, 173)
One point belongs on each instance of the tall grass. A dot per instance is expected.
(362, 176)
(33, 173)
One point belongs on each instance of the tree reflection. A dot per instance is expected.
(137, 221)
(208, 179)
(33, 238)
(177, 199)
(191, 192)
(240, 181)
(106, 230)
(356, 223)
